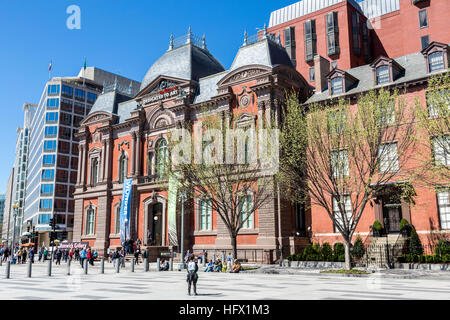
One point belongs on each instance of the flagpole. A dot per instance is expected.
(84, 71)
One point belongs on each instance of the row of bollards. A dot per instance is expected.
(117, 265)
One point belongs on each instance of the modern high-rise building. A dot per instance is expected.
(7, 211)
(53, 150)
(20, 169)
(2, 210)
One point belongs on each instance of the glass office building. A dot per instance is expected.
(53, 150)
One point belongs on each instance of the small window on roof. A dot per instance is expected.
(436, 61)
(383, 74)
(311, 74)
(337, 86)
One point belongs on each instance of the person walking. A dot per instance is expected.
(90, 256)
(192, 275)
(108, 253)
(24, 256)
(116, 257)
(58, 256)
(77, 254)
(19, 256)
(45, 254)
(137, 252)
(71, 254)
(83, 256)
(40, 253)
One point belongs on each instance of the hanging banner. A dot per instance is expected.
(172, 211)
(125, 211)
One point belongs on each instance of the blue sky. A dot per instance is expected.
(120, 36)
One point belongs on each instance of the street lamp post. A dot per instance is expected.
(183, 199)
(15, 206)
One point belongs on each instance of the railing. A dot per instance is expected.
(260, 36)
(245, 255)
(181, 41)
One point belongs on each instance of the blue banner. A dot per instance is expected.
(125, 211)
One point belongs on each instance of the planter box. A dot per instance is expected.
(423, 266)
(314, 264)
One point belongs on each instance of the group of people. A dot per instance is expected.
(19, 256)
(217, 266)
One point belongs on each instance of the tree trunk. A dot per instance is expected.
(234, 245)
(348, 261)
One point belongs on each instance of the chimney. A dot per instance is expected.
(321, 69)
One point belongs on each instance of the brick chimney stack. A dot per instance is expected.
(321, 69)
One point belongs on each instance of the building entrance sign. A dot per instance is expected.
(125, 211)
(165, 90)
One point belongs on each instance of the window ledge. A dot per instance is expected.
(205, 233)
(114, 236)
(89, 237)
(248, 231)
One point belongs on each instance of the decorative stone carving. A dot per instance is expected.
(244, 101)
(124, 142)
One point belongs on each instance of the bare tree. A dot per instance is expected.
(344, 154)
(235, 189)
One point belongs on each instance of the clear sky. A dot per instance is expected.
(120, 36)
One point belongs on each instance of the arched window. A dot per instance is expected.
(117, 219)
(90, 221)
(161, 158)
(94, 170)
(123, 168)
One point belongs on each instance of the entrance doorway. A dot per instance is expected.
(392, 214)
(155, 225)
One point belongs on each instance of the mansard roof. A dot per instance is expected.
(187, 62)
(109, 101)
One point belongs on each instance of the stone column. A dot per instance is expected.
(102, 226)
(133, 151)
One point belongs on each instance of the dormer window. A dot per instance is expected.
(336, 86)
(340, 82)
(386, 70)
(436, 61)
(436, 55)
(383, 74)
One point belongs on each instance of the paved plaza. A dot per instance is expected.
(243, 286)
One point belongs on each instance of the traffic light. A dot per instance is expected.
(64, 235)
(28, 228)
(52, 236)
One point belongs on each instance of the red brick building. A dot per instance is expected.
(126, 136)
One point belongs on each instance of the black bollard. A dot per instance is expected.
(171, 263)
(102, 266)
(29, 268)
(146, 265)
(68, 267)
(49, 268)
(85, 267)
(117, 265)
(132, 265)
(158, 263)
(204, 261)
(8, 269)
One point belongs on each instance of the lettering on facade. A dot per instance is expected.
(164, 90)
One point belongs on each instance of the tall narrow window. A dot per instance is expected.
(388, 156)
(312, 75)
(246, 212)
(425, 41)
(423, 18)
(205, 215)
(356, 34)
(339, 164)
(310, 40)
(289, 43)
(90, 221)
(444, 208)
(161, 158)
(117, 220)
(441, 150)
(123, 168)
(347, 206)
(332, 33)
(367, 42)
(94, 172)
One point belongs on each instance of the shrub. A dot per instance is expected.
(446, 258)
(290, 257)
(326, 252)
(377, 225)
(415, 246)
(298, 257)
(442, 248)
(437, 259)
(339, 250)
(358, 248)
(429, 258)
(404, 224)
(409, 258)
